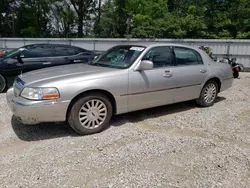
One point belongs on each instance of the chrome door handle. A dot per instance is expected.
(203, 71)
(46, 63)
(168, 74)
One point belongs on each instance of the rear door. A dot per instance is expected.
(65, 54)
(69, 54)
(190, 73)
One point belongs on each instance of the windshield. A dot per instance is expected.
(13, 53)
(119, 56)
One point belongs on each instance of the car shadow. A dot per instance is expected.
(141, 115)
(42, 131)
(47, 131)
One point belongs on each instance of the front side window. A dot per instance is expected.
(38, 51)
(160, 56)
(119, 56)
(186, 56)
(31, 54)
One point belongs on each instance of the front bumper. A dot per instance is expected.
(33, 112)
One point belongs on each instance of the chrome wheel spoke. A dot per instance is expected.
(97, 122)
(210, 93)
(97, 104)
(89, 123)
(84, 109)
(103, 114)
(101, 118)
(85, 122)
(83, 118)
(92, 103)
(101, 106)
(103, 109)
(83, 113)
(88, 105)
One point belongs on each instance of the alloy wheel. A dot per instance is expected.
(210, 93)
(92, 114)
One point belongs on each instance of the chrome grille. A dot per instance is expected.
(18, 86)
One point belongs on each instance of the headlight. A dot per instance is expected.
(40, 93)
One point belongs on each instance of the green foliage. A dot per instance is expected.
(126, 18)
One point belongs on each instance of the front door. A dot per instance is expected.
(37, 57)
(190, 74)
(154, 87)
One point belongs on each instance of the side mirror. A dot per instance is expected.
(144, 65)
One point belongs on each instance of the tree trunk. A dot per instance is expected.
(80, 18)
(80, 26)
(121, 18)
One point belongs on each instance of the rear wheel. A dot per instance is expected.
(90, 114)
(2, 83)
(208, 94)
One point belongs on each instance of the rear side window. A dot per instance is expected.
(186, 56)
(80, 50)
(64, 51)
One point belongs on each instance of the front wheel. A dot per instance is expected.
(90, 114)
(208, 94)
(2, 83)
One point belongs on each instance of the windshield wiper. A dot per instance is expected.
(102, 65)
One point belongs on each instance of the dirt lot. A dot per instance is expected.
(179, 145)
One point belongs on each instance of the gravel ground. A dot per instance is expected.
(179, 145)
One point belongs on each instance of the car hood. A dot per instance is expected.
(64, 73)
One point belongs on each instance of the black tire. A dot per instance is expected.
(201, 100)
(73, 118)
(236, 74)
(2, 83)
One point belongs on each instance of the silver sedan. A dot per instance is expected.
(125, 78)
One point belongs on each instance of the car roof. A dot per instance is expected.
(48, 44)
(45, 44)
(54, 45)
(159, 44)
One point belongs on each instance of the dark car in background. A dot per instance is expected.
(37, 56)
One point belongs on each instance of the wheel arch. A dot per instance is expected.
(5, 82)
(217, 80)
(82, 94)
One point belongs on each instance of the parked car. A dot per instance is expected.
(37, 56)
(123, 79)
